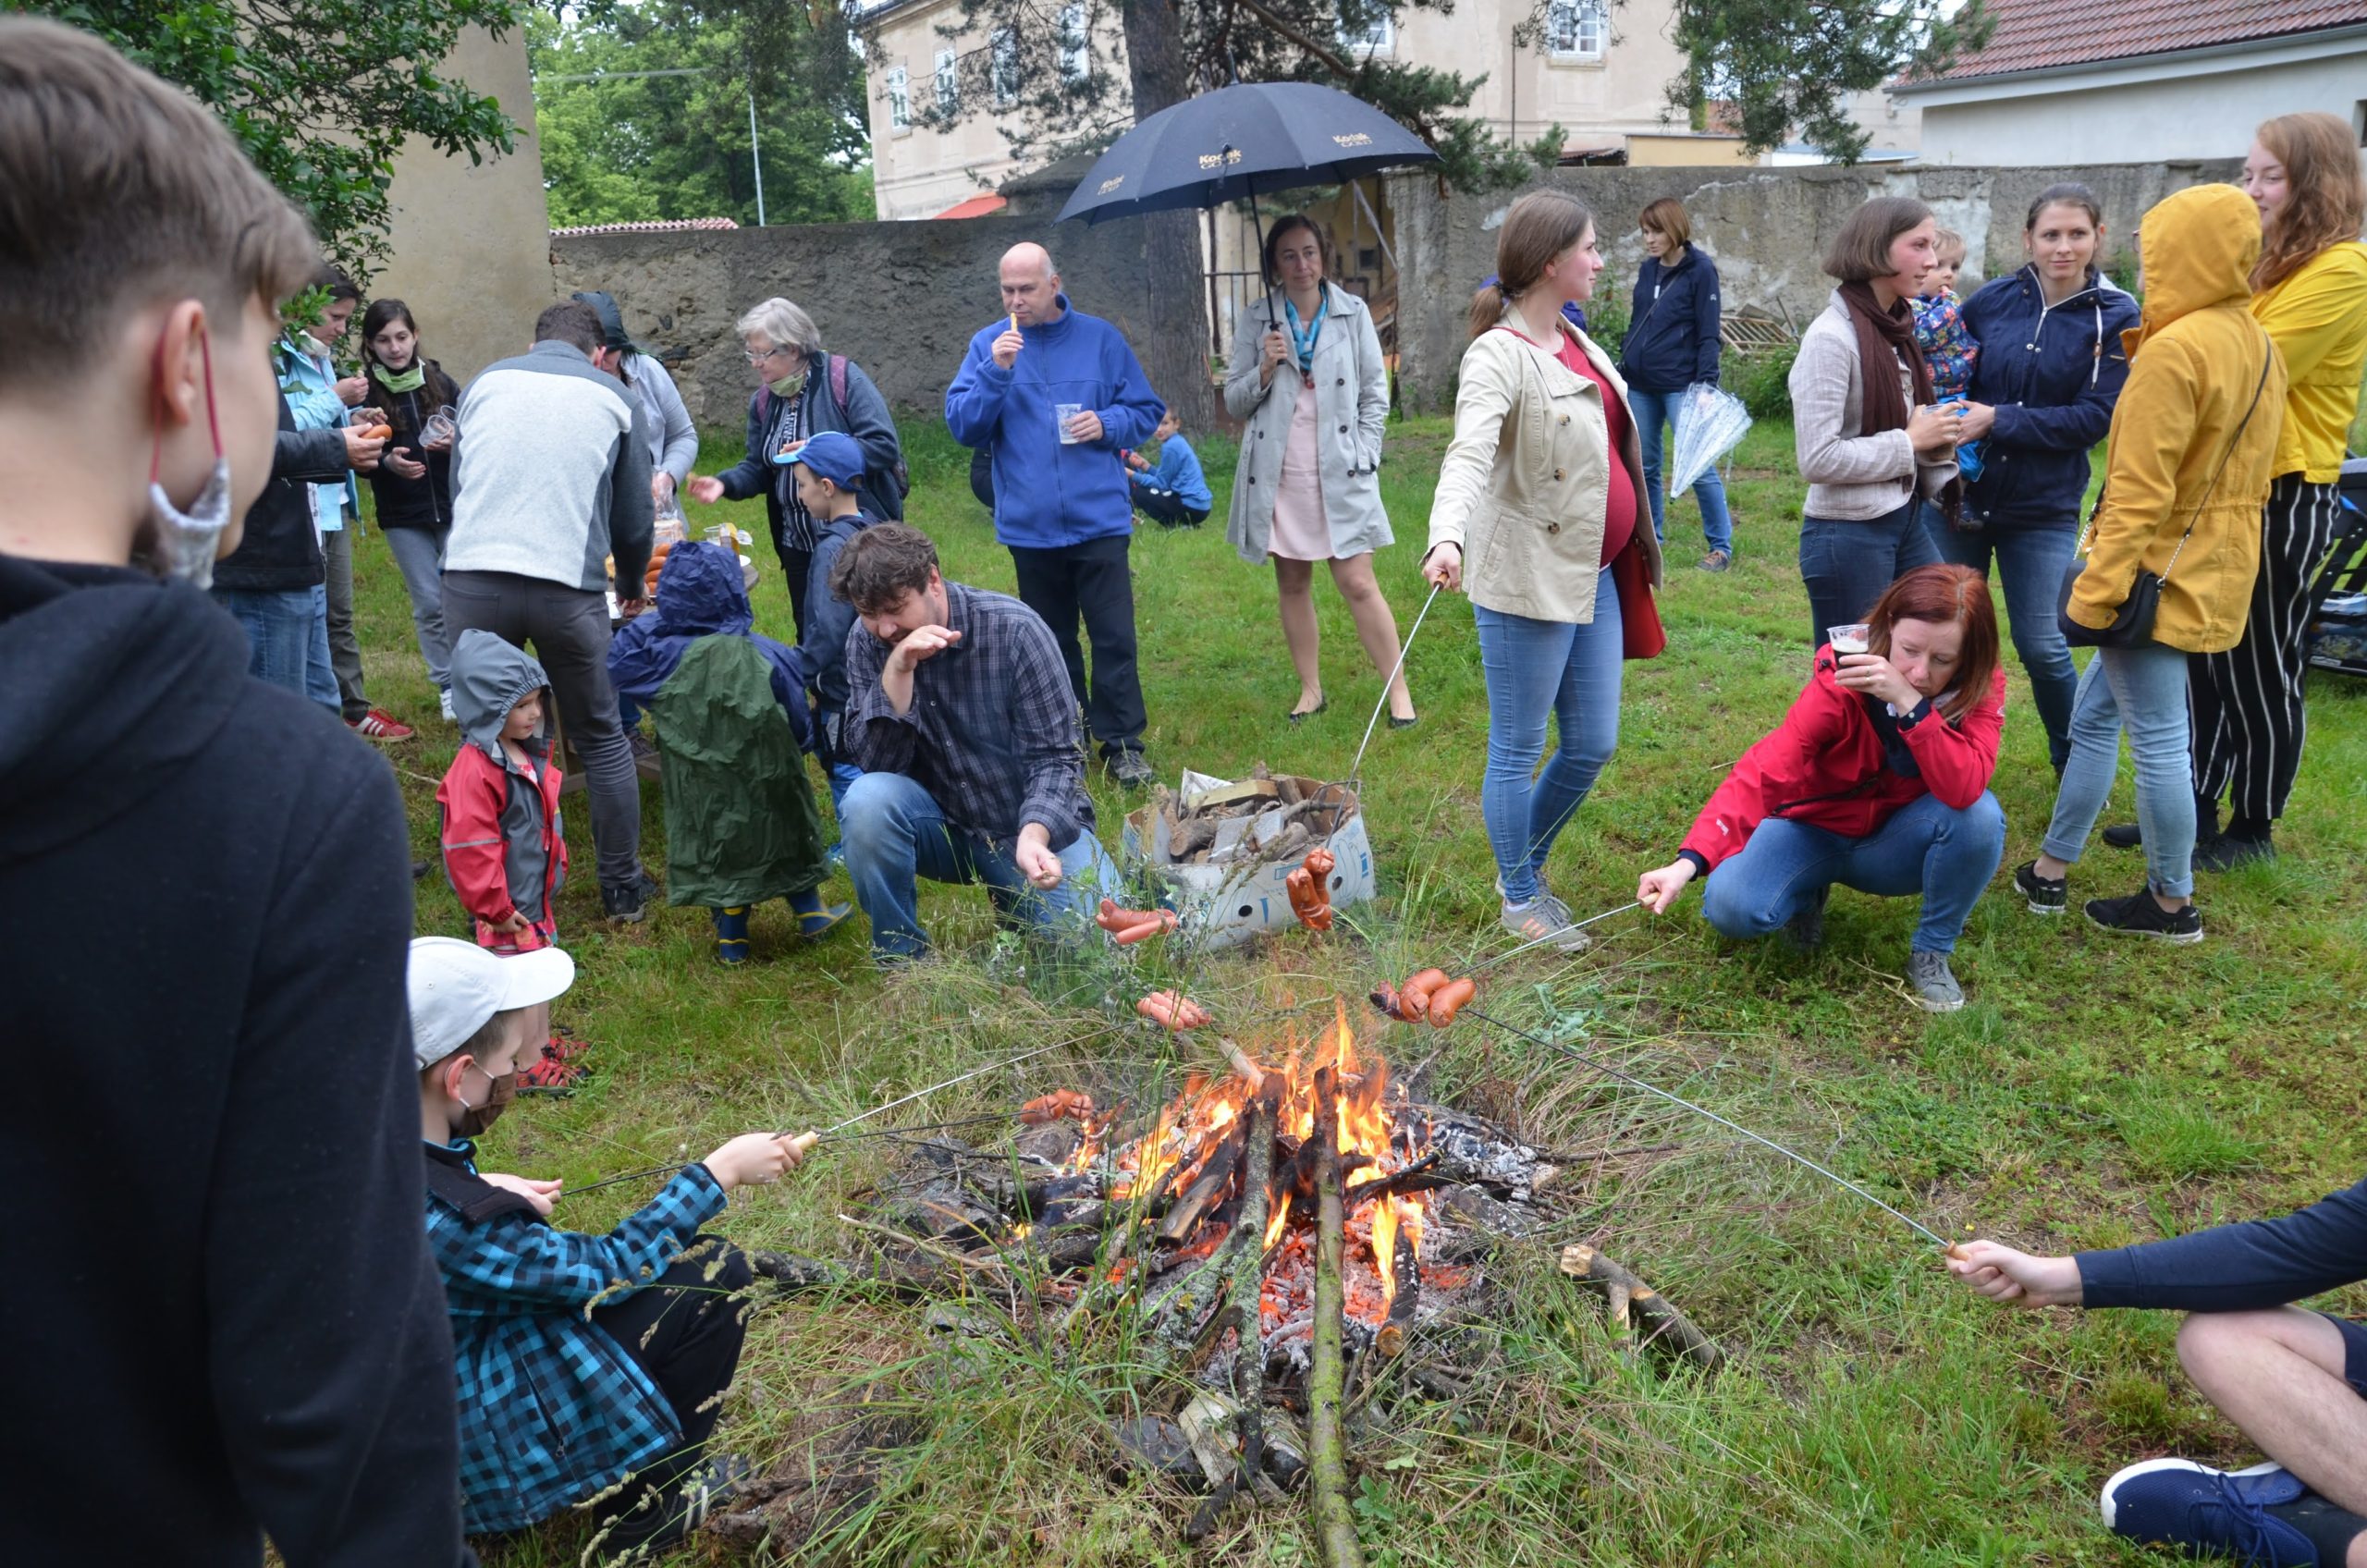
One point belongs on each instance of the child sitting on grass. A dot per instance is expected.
(733, 723)
(1175, 493)
(1948, 343)
(588, 1366)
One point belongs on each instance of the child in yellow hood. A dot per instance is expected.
(2187, 467)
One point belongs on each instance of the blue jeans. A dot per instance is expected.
(1848, 566)
(287, 642)
(1537, 669)
(320, 671)
(2030, 563)
(895, 833)
(1928, 846)
(2141, 690)
(1652, 412)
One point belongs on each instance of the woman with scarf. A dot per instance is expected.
(1308, 379)
(412, 485)
(1870, 443)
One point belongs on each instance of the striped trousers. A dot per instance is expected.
(2245, 702)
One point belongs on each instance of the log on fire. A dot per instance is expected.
(1642, 1310)
(1335, 1527)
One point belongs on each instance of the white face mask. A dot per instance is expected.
(186, 541)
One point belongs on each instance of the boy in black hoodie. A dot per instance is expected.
(258, 1340)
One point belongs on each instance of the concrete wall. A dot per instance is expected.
(472, 241)
(902, 299)
(1767, 229)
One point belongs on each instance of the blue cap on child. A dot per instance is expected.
(832, 455)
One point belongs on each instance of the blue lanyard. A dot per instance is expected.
(1304, 341)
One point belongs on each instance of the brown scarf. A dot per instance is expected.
(1879, 334)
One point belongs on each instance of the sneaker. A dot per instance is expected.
(835, 857)
(644, 756)
(2046, 895)
(1544, 916)
(1130, 769)
(2139, 915)
(1805, 930)
(665, 1521)
(2227, 851)
(1935, 984)
(629, 903)
(1717, 560)
(378, 726)
(2209, 1512)
(444, 703)
(548, 1074)
(2123, 836)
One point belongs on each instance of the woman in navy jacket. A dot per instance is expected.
(2050, 371)
(1671, 343)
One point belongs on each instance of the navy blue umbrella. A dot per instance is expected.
(1237, 141)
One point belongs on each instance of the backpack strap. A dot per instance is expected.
(476, 1199)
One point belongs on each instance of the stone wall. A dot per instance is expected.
(1766, 227)
(901, 299)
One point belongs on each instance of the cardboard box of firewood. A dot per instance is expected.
(1225, 846)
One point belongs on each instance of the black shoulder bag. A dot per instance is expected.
(2133, 626)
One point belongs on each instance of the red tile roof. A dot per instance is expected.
(661, 225)
(2039, 35)
(975, 206)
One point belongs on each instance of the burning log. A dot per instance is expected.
(1628, 1294)
(1417, 1177)
(1335, 1527)
(1249, 1287)
(1207, 1189)
(1405, 1274)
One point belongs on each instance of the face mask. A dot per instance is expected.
(184, 541)
(789, 386)
(476, 1119)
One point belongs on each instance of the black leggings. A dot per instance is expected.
(684, 1330)
(1167, 509)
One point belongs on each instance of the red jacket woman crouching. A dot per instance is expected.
(1877, 779)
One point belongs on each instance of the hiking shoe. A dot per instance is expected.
(1717, 560)
(1130, 769)
(546, 1075)
(1541, 917)
(2209, 1512)
(663, 1520)
(443, 704)
(2139, 915)
(378, 726)
(2123, 836)
(1805, 930)
(2046, 895)
(2227, 851)
(1935, 984)
(629, 903)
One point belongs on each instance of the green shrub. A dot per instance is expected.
(1607, 317)
(1760, 380)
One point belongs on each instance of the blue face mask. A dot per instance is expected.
(185, 541)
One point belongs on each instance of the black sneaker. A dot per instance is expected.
(2227, 851)
(629, 903)
(1805, 930)
(2046, 895)
(2123, 834)
(1131, 768)
(2139, 915)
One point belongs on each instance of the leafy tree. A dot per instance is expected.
(1788, 63)
(321, 93)
(626, 148)
(1059, 78)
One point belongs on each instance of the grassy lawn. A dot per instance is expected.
(2094, 1092)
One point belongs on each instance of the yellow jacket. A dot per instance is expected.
(2319, 318)
(2173, 458)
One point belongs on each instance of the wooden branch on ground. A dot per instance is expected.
(1335, 1527)
(1640, 1308)
(1249, 1070)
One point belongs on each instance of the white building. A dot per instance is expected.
(2066, 82)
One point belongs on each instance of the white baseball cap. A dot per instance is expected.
(456, 986)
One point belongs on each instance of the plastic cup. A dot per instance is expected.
(1062, 414)
(438, 428)
(1852, 639)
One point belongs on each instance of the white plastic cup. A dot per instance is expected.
(438, 427)
(1062, 414)
(1856, 638)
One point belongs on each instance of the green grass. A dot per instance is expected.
(2093, 1093)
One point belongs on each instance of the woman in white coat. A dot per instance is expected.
(1308, 379)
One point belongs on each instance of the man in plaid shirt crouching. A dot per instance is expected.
(590, 1367)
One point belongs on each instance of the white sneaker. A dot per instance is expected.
(449, 717)
(1542, 917)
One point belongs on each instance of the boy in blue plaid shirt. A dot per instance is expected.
(588, 1364)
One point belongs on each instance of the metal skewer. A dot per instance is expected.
(1356, 767)
(1625, 1077)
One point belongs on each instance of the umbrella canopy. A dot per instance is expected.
(1239, 141)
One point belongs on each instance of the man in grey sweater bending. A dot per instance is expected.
(550, 478)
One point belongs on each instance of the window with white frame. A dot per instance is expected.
(1075, 62)
(1575, 29)
(1002, 67)
(900, 99)
(949, 86)
(1376, 36)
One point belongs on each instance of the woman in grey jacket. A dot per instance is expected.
(1306, 374)
(1869, 440)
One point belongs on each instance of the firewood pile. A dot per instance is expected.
(1256, 821)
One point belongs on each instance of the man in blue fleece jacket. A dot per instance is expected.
(2294, 1382)
(1062, 505)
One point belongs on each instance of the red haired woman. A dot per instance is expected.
(1877, 779)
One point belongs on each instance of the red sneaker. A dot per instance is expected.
(549, 1075)
(376, 724)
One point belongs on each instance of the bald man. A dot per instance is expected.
(1053, 395)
